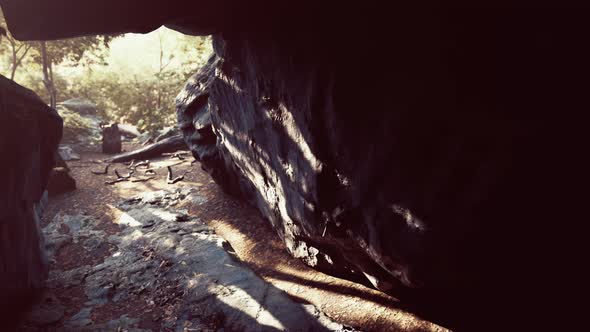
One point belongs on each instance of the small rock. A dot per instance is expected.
(60, 182)
(129, 131)
(67, 153)
(82, 318)
(47, 312)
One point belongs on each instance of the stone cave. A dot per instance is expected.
(429, 164)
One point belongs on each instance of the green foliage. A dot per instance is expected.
(130, 100)
(132, 78)
(13, 50)
(76, 126)
(74, 51)
(141, 99)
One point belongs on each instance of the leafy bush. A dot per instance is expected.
(78, 128)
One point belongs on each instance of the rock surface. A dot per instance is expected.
(60, 181)
(436, 157)
(29, 135)
(128, 131)
(194, 120)
(167, 132)
(167, 261)
(81, 106)
(81, 123)
(67, 153)
(396, 168)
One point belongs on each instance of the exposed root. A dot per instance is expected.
(145, 163)
(170, 179)
(116, 181)
(119, 176)
(143, 179)
(106, 170)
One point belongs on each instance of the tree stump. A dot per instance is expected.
(111, 139)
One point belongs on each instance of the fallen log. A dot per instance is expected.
(170, 144)
(121, 178)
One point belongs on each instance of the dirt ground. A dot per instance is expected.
(252, 238)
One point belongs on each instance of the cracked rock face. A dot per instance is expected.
(264, 123)
(167, 261)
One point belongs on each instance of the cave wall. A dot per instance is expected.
(30, 132)
(434, 151)
(418, 158)
(334, 154)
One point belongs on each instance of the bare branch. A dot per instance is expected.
(119, 176)
(106, 170)
(143, 179)
(170, 180)
(116, 181)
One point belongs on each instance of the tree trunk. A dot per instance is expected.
(14, 60)
(13, 72)
(48, 75)
(17, 60)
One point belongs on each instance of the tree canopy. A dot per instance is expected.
(132, 78)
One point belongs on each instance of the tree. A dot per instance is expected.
(72, 50)
(138, 85)
(17, 50)
(49, 53)
(160, 75)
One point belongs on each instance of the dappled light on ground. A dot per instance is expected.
(251, 242)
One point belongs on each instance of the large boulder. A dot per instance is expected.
(81, 123)
(66, 153)
(30, 132)
(60, 179)
(128, 131)
(81, 106)
(420, 167)
(194, 120)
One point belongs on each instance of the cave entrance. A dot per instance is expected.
(136, 234)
